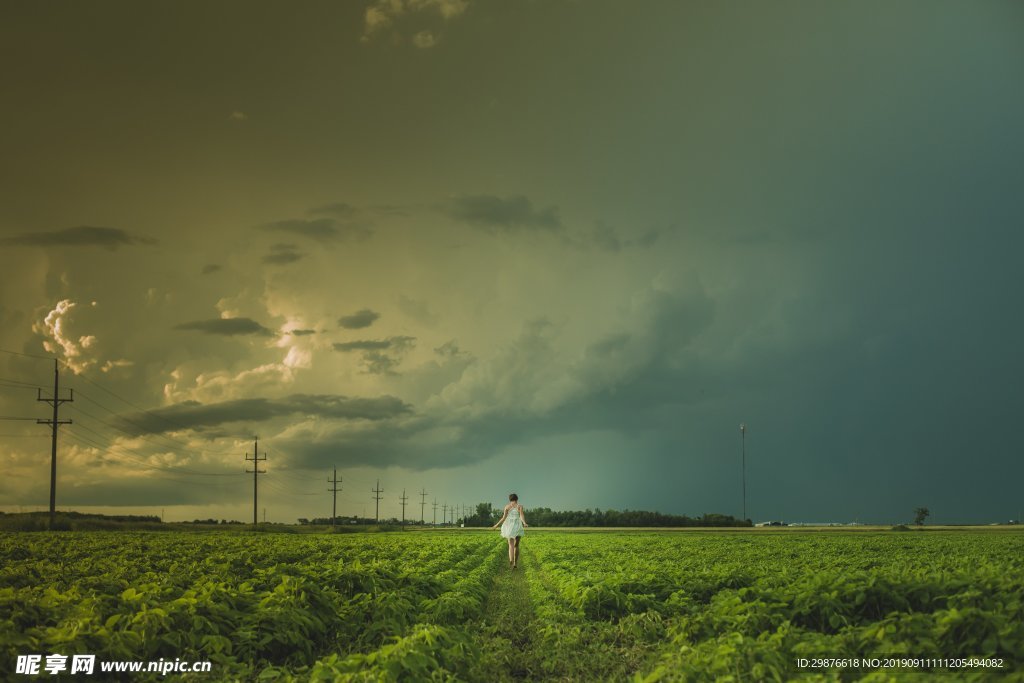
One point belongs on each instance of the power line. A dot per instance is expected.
(278, 487)
(145, 434)
(141, 456)
(93, 444)
(423, 503)
(180, 470)
(158, 416)
(27, 355)
(19, 383)
(146, 437)
(403, 498)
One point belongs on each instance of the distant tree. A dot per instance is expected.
(919, 515)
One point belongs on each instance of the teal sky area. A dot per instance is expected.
(557, 248)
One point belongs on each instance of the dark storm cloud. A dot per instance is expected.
(337, 209)
(379, 356)
(81, 236)
(494, 214)
(450, 349)
(359, 319)
(211, 268)
(627, 381)
(282, 258)
(283, 254)
(321, 229)
(228, 327)
(603, 236)
(301, 333)
(195, 415)
(397, 343)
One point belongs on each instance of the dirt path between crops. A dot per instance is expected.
(509, 621)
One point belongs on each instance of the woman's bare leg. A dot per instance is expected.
(516, 552)
(511, 552)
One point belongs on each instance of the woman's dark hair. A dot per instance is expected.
(514, 497)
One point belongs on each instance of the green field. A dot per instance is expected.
(610, 605)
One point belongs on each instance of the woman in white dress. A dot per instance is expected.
(513, 525)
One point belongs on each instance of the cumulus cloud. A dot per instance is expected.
(508, 214)
(228, 327)
(386, 14)
(424, 40)
(195, 415)
(60, 340)
(359, 319)
(81, 236)
(301, 332)
(210, 268)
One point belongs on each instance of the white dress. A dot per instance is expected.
(513, 524)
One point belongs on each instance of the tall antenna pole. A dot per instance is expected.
(256, 471)
(334, 490)
(54, 423)
(377, 491)
(743, 439)
(403, 498)
(423, 504)
(435, 512)
(444, 513)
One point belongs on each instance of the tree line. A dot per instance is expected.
(486, 515)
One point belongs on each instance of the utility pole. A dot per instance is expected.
(403, 498)
(444, 514)
(423, 504)
(334, 505)
(256, 472)
(435, 512)
(743, 438)
(56, 401)
(377, 491)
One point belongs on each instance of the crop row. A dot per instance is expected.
(247, 605)
(715, 606)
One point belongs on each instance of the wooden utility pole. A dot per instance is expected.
(54, 424)
(334, 490)
(377, 491)
(256, 472)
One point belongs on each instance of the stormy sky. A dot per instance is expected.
(557, 248)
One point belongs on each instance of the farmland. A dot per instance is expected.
(646, 606)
